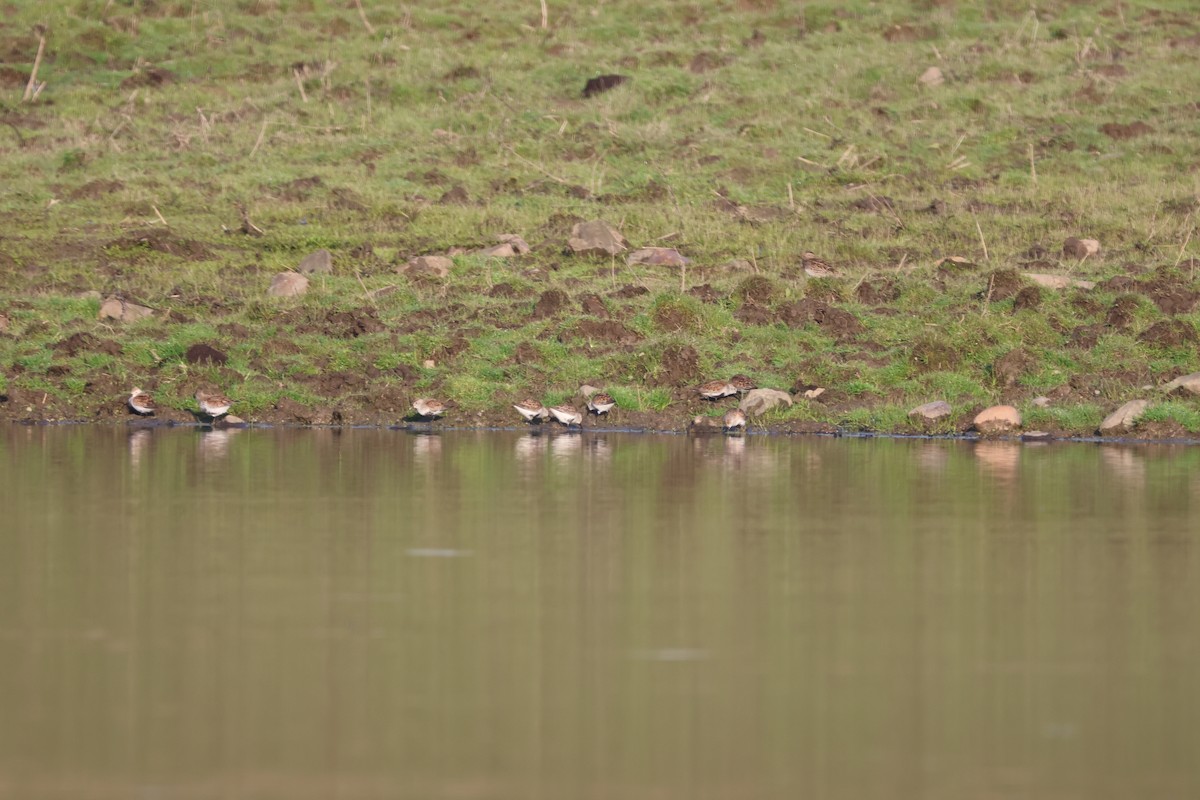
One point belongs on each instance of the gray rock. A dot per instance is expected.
(932, 77)
(657, 257)
(319, 262)
(1188, 384)
(759, 401)
(123, 310)
(596, 237)
(1048, 281)
(997, 419)
(1080, 248)
(932, 411)
(1124, 418)
(428, 266)
(288, 284)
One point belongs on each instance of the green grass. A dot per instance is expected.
(748, 134)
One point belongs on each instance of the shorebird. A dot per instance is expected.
(213, 405)
(601, 403)
(142, 403)
(531, 409)
(735, 419)
(567, 415)
(742, 383)
(815, 267)
(429, 408)
(714, 390)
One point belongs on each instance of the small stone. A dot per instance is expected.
(1188, 384)
(586, 391)
(1047, 281)
(1036, 436)
(319, 262)
(1080, 248)
(510, 245)
(288, 284)
(1124, 418)
(997, 419)
(932, 77)
(813, 394)
(428, 266)
(429, 363)
(760, 401)
(1040, 402)
(123, 310)
(90, 294)
(657, 257)
(931, 411)
(230, 421)
(596, 237)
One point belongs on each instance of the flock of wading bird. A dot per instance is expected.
(213, 406)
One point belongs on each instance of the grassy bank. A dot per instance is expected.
(748, 133)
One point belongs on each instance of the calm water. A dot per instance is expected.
(374, 614)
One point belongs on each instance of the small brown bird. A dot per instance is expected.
(212, 404)
(531, 409)
(567, 415)
(735, 419)
(714, 390)
(142, 403)
(815, 267)
(742, 383)
(428, 407)
(601, 403)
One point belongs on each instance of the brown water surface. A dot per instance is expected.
(375, 614)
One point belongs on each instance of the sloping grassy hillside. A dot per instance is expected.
(748, 133)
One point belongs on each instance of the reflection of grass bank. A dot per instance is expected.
(744, 139)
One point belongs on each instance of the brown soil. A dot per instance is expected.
(673, 319)
(1115, 130)
(1085, 336)
(551, 303)
(1028, 298)
(502, 290)
(149, 77)
(1120, 315)
(838, 323)
(628, 292)
(757, 289)
(1011, 367)
(1169, 333)
(679, 366)
(205, 354)
(754, 314)
(608, 331)
(1002, 284)
(932, 355)
(593, 305)
(603, 83)
(93, 190)
(161, 240)
(706, 293)
(877, 292)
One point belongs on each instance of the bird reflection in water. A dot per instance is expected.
(427, 448)
(528, 449)
(1124, 461)
(138, 442)
(565, 447)
(214, 444)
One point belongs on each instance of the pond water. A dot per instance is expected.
(377, 614)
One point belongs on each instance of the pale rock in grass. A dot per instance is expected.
(1040, 402)
(812, 394)
(759, 401)
(931, 412)
(288, 284)
(319, 262)
(1188, 384)
(123, 311)
(657, 257)
(1047, 281)
(997, 419)
(3, 323)
(1124, 418)
(427, 266)
(510, 245)
(596, 237)
(932, 77)
(1080, 248)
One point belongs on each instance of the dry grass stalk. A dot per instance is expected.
(363, 16)
(32, 89)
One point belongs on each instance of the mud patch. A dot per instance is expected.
(754, 314)
(1028, 298)
(592, 304)
(932, 355)
(205, 354)
(93, 190)
(78, 343)
(1121, 313)
(877, 292)
(1008, 370)
(1001, 285)
(705, 293)
(161, 240)
(1118, 131)
(551, 303)
(628, 292)
(150, 77)
(757, 289)
(351, 324)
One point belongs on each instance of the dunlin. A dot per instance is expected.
(531, 409)
(428, 407)
(213, 405)
(141, 403)
(735, 419)
(815, 267)
(714, 390)
(601, 403)
(567, 415)
(742, 383)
